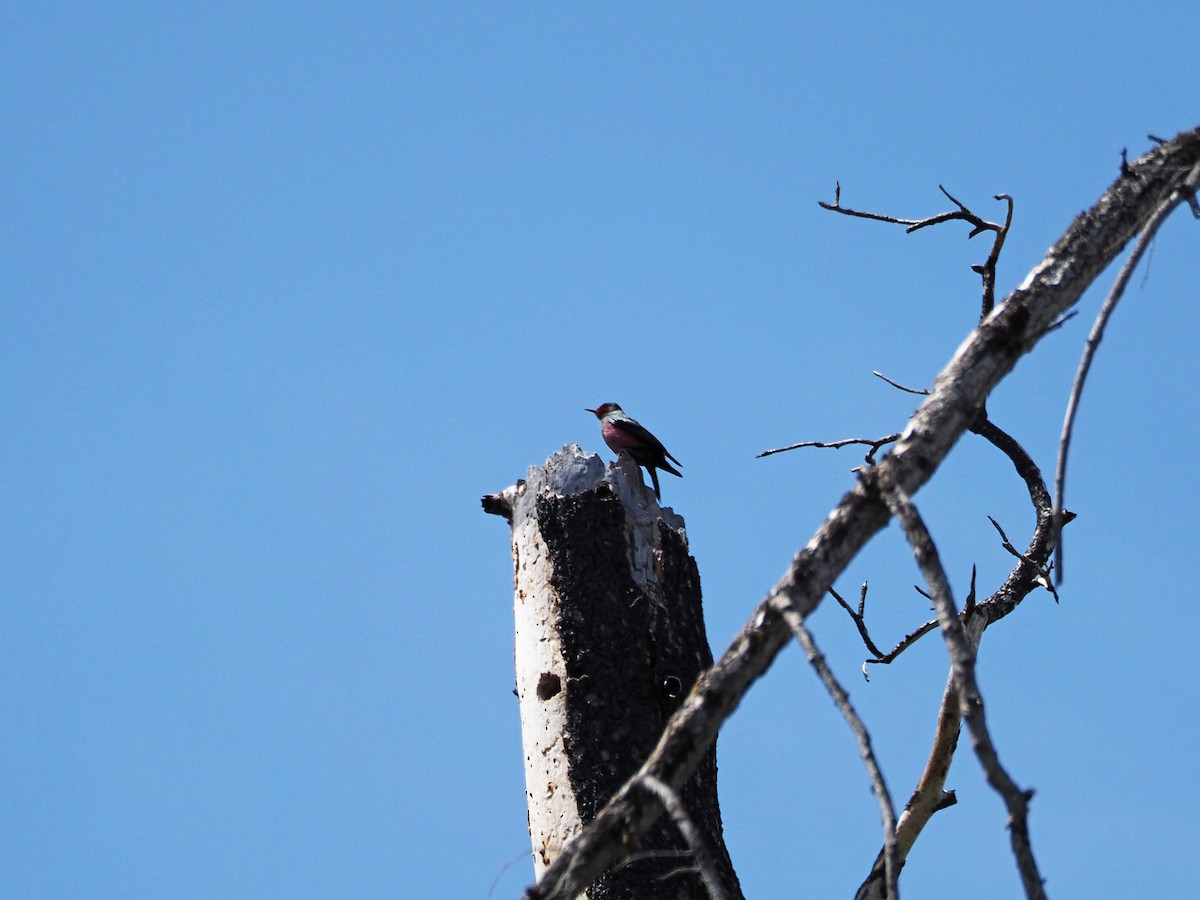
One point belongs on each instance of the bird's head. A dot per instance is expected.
(604, 409)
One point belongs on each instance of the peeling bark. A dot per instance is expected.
(609, 639)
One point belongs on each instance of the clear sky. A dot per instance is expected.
(286, 288)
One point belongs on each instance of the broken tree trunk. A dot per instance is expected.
(609, 639)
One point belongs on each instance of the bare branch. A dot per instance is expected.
(1183, 190)
(874, 444)
(922, 392)
(1043, 572)
(929, 796)
(859, 620)
(1032, 565)
(986, 270)
(862, 738)
(907, 641)
(962, 667)
(962, 213)
(691, 834)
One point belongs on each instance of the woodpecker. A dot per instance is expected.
(621, 432)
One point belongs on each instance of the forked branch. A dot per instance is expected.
(985, 270)
(962, 668)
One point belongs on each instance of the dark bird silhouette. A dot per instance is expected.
(621, 432)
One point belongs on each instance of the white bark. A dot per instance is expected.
(609, 638)
(554, 816)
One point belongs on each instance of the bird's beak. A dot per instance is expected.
(592, 411)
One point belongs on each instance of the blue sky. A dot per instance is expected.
(288, 287)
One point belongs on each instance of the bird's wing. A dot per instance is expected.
(639, 433)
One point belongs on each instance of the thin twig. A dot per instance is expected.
(1043, 572)
(873, 443)
(1061, 321)
(861, 736)
(1183, 191)
(986, 270)
(521, 855)
(907, 641)
(691, 834)
(860, 622)
(928, 797)
(858, 618)
(924, 392)
(911, 225)
(969, 603)
(962, 667)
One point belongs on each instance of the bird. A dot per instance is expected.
(621, 432)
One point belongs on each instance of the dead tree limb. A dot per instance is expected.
(1167, 176)
(887, 811)
(1093, 344)
(930, 795)
(962, 647)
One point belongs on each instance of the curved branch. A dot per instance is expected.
(1185, 192)
(986, 270)
(887, 812)
(1030, 570)
(691, 834)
